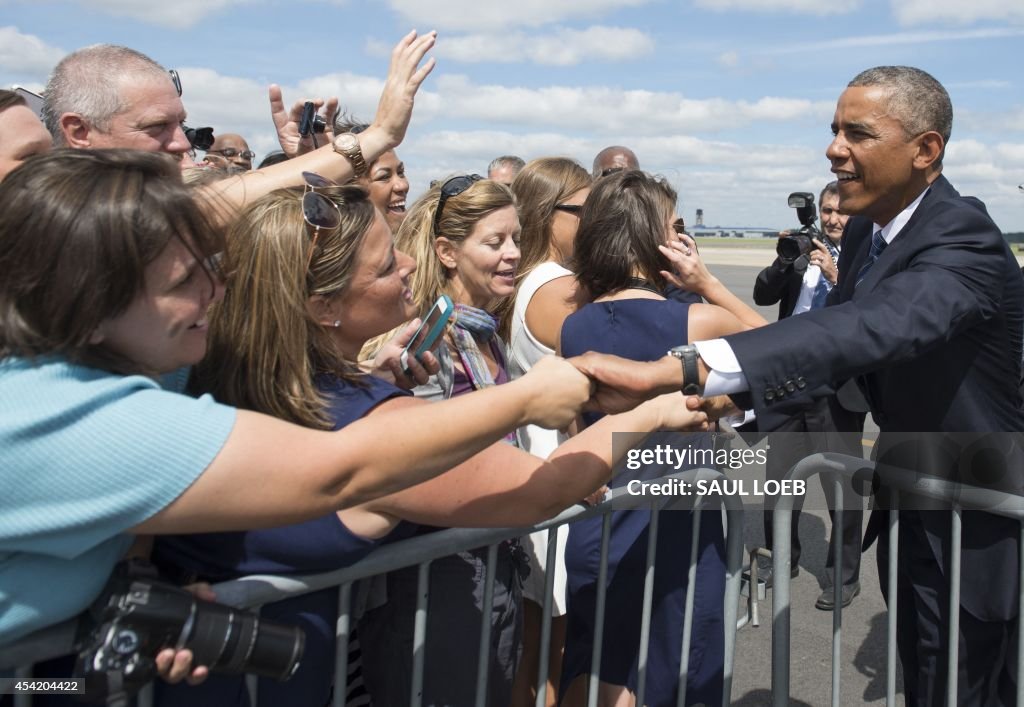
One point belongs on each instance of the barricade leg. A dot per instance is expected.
(484, 659)
(544, 657)
(419, 634)
(343, 629)
(602, 595)
(645, 611)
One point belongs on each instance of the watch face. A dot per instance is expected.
(346, 141)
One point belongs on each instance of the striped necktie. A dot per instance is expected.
(877, 246)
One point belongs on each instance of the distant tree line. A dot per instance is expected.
(1015, 237)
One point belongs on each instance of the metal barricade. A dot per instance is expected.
(957, 495)
(257, 590)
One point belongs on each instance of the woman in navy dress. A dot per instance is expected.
(284, 341)
(625, 221)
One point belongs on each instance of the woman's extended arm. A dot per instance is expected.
(504, 486)
(385, 133)
(271, 472)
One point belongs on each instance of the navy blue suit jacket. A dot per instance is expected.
(933, 337)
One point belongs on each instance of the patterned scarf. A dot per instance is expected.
(470, 323)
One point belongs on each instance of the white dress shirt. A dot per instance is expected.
(726, 376)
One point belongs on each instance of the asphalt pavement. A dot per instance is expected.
(863, 630)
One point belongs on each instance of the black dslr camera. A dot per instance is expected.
(199, 138)
(137, 616)
(796, 244)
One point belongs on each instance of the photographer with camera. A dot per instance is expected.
(799, 280)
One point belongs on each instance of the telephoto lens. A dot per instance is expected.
(137, 616)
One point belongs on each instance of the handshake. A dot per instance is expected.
(559, 389)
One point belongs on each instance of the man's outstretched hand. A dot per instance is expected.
(623, 384)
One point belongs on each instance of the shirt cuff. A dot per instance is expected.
(725, 377)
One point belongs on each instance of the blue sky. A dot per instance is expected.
(729, 99)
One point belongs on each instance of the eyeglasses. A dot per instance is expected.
(232, 152)
(679, 226)
(176, 80)
(569, 208)
(452, 188)
(317, 210)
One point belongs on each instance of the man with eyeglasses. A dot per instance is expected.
(111, 96)
(614, 159)
(230, 151)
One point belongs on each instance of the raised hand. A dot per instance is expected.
(688, 269)
(404, 78)
(821, 257)
(287, 122)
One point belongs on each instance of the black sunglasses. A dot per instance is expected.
(233, 152)
(569, 208)
(611, 170)
(176, 80)
(452, 188)
(317, 210)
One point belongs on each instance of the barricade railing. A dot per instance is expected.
(257, 590)
(856, 470)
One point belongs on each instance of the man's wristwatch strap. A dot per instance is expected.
(691, 374)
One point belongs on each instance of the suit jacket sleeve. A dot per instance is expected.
(941, 276)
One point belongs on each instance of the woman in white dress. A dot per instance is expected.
(549, 193)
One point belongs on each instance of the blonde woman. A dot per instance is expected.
(283, 342)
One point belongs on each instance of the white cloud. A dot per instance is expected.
(896, 39)
(728, 60)
(564, 47)
(983, 84)
(973, 121)
(707, 174)
(811, 7)
(177, 14)
(912, 12)
(474, 15)
(616, 111)
(27, 54)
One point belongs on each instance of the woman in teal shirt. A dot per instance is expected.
(105, 280)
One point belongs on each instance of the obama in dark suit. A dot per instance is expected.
(927, 318)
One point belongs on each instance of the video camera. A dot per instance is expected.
(137, 616)
(791, 247)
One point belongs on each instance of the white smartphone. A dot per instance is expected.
(429, 330)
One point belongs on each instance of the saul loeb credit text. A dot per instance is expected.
(725, 487)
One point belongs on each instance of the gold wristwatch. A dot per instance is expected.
(347, 144)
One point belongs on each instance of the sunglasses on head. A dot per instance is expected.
(611, 170)
(318, 211)
(233, 152)
(569, 208)
(176, 80)
(452, 188)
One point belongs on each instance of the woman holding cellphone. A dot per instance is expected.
(104, 289)
(295, 318)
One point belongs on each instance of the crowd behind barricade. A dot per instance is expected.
(229, 371)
